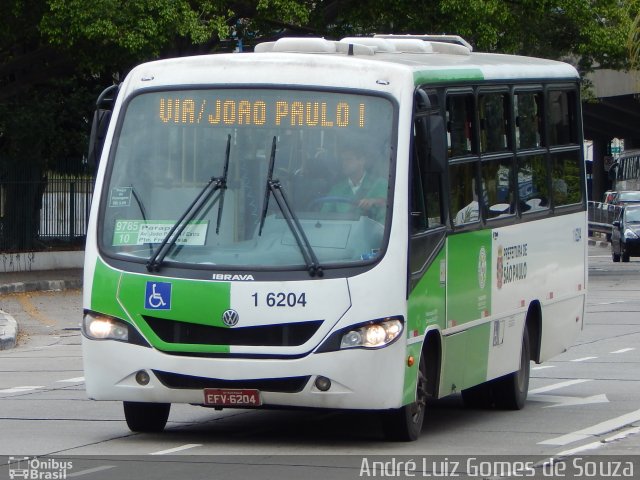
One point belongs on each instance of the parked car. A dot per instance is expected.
(626, 197)
(625, 234)
(609, 196)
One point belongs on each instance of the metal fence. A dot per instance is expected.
(61, 202)
(601, 216)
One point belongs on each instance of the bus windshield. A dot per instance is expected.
(327, 153)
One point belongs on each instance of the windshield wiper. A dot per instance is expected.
(213, 185)
(274, 188)
(142, 209)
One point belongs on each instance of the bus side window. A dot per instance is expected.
(464, 197)
(427, 164)
(561, 117)
(494, 122)
(528, 120)
(460, 124)
(532, 183)
(566, 178)
(497, 187)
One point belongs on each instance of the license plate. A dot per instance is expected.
(226, 397)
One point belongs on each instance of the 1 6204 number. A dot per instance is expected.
(280, 299)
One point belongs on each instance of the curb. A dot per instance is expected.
(8, 331)
(8, 324)
(40, 285)
(599, 243)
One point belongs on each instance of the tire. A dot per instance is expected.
(405, 423)
(146, 417)
(510, 391)
(625, 257)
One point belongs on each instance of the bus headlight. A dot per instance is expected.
(373, 335)
(103, 327)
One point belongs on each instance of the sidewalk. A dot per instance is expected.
(35, 280)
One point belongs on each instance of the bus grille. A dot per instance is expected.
(285, 335)
(283, 385)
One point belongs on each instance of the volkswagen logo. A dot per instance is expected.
(230, 318)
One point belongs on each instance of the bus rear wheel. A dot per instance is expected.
(405, 423)
(510, 391)
(146, 417)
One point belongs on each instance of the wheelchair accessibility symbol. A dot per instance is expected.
(158, 296)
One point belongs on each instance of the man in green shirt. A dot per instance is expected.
(359, 190)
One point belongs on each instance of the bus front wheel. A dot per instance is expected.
(405, 423)
(146, 417)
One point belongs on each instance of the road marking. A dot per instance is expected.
(89, 470)
(562, 401)
(26, 388)
(177, 449)
(556, 386)
(72, 380)
(599, 429)
(582, 359)
(542, 367)
(623, 350)
(594, 445)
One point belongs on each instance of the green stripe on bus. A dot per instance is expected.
(104, 291)
(191, 302)
(426, 308)
(443, 74)
(469, 279)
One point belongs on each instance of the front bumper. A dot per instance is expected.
(360, 378)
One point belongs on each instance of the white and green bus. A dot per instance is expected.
(361, 224)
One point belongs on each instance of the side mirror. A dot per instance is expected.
(100, 124)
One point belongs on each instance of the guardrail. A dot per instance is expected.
(601, 216)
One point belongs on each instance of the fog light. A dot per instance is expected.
(143, 378)
(323, 384)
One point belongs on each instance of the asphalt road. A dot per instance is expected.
(585, 402)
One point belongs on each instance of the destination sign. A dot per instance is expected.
(220, 111)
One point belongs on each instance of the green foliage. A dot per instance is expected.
(57, 55)
(86, 42)
(633, 42)
(112, 31)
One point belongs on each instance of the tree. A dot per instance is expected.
(633, 43)
(56, 55)
(38, 127)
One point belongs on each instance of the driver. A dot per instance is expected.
(358, 189)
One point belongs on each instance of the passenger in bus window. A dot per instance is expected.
(464, 196)
(468, 214)
(359, 189)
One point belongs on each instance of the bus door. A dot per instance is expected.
(427, 254)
